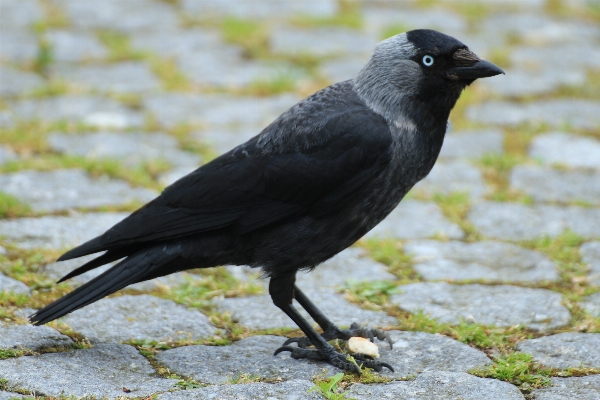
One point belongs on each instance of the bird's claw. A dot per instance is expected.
(344, 334)
(337, 359)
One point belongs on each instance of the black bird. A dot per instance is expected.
(309, 185)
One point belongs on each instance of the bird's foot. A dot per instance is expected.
(334, 332)
(340, 360)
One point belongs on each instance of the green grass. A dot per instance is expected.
(390, 252)
(455, 207)
(252, 36)
(393, 30)
(278, 83)
(347, 19)
(517, 368)
(119, 47)
(12, 207)
(329, 388)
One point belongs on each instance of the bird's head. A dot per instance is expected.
(419, 71)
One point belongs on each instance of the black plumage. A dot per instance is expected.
(308, 186)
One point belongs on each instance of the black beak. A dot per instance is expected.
(480, 69)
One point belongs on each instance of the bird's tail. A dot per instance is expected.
(135, 268)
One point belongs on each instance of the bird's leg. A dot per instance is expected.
(330, 330)
(282, 293)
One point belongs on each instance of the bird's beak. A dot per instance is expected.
(470, 67)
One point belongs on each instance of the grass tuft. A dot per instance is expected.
(252, 36)
(118, 46)
(12, 207)
(329, 388)
(517, 368)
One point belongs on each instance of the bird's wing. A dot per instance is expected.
(251, 186)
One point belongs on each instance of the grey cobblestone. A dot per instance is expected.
(125, 77)
(67, 189)
(452, 177)
(501, 305)
(439, 385)
(568, 150)
(565, 350)
(581, 388)
(339, 41)
(75, 46)
(57, 231)
(12, 285)
(6, 155)
(15, 82)
(19, 14)
(472, 144)
(103, 370)
(416, 220)
(590, 252)
(591, 304)
(263, 9)
(550, 185)
(118, 319)
(487, 260)
(31, 337)
(17, 46)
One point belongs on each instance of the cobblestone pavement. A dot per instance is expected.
(487, 276)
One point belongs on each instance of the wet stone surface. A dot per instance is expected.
(118, 319)
(487, 260)
(67, 189)
(565, 350)
(502, 305)
(103, 370)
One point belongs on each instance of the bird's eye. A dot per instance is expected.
(427, 60)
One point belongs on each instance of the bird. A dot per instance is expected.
(309, 185)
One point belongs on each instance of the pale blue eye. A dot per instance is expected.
(428, 60)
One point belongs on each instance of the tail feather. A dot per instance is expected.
(105, 258)
(131, 270)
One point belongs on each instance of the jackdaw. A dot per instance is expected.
(312, 183)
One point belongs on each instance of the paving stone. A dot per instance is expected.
(224, 68)
(223, 139)
(472, 144)
(20, 14)
(351, 264)
(566, 149)
(132, 148)
(17, 46)
(75, 46)
(214, 110)
(565, 350)
(126, 16)
(452, 177)
(511, 221)
(13, 396)
(276, 9)
(6, 119)
(118, 319)
(513, 4)
(14, 82)
(550, 185)
(6, 155)
(102, 371)
(378, 19)
(416, 220)
(590, 252)
(295, 389)
(518, 83)
(591, 304)
(12, 285)
(57, 231)
(91, 110)
(183, 42)
(124, 77)
(577, 113)
(557, 56)
(253, 355)
(416, 352)
(501, 305)
(31, 337)
(47, 191)
(584, 221)
(259, 312)
(539, 29)
(310, 41)
(341, 69)
(488, 260)
(580, 388)
(439, 385)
